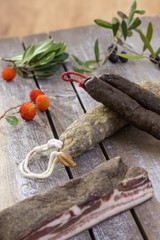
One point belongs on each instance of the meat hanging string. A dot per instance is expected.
(74, 79)
(75, 140)
(121, 103)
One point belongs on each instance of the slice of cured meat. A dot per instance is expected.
(77, 204)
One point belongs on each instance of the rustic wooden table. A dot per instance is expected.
(68, 102)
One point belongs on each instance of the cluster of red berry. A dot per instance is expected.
(28, 109)
(39, 99)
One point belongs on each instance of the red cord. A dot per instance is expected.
(73, 79)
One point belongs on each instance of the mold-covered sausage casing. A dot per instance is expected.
(90, 129)
(123, 105)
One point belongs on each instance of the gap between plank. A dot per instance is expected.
(139, 225)
(47, 111)
(135, 217)
(53, 129)
(68, 170)
(91, 234)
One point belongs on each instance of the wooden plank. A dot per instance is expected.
(17, 141)
(80, 48)
(64, 105)
(88, 160)
(129, 142)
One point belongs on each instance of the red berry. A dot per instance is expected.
(42, 102)
(35, 93)
(27, 111)
(8, 73)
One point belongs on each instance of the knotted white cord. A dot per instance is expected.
(24, 169)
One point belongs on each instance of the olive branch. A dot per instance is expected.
(121, 27)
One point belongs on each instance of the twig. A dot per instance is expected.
(6, 60)
(8, 111)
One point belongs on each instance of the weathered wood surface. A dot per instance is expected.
(63, 97)
(16, 141)
(135, 150)
(65, 108)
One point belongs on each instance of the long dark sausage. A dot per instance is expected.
(125, 106)
(143, 96)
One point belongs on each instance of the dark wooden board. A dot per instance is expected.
(136, 147)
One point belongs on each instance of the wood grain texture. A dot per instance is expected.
(138, 148)
(17, 141)
(82, 47)
(66, 109)
(64, 104)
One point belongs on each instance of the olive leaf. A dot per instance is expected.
(141, 12)
(124, 29)
(133, 6)
(44, 46)
(132, 11)
(96, 50)
(157, 52)
(28, 53)
(18, 70)
(45, 59)
(135, 24)
(90, 62)
(61, 50)
(114, 20)
(115, 28)
(60, 58)
(103, 23)
(149, 34)
(85, 66)
(45, 67)
(17, 57)
(122, 15)
(77, 60)
(13, 120)
(146, 42)
(130, 56)
(80, 70)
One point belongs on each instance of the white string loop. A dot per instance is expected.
(53, 143)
